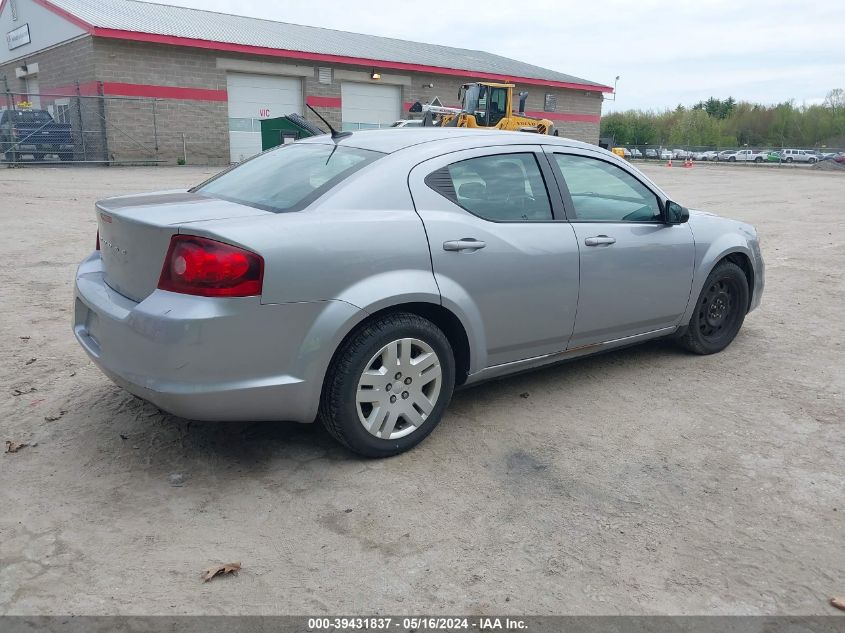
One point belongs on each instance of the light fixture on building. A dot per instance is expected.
(428, 85)
(374, 75)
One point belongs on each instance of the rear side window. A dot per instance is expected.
(288, 178)
(500, 188)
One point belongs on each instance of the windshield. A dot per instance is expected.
(288, 178)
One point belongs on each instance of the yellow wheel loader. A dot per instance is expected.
(485, 105)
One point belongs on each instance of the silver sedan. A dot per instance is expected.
(360, 280)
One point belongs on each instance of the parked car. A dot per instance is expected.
(34, 133)
(773, 157)
(665, 154)
(840, 158)
(407, 123)
(215, 303)
(681, 154)
(724, 155)
(635, 153)
(708, 155)
(748, 156)
(798, 156)
(651, 153)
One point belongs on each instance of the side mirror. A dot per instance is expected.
(675, 213)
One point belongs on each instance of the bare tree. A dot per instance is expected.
(835, 99)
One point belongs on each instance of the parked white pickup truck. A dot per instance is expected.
(748, 155)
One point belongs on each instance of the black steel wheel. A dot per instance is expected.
(719, 312)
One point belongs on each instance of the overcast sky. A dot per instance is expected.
(665, 51)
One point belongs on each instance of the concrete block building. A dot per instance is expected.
(167, 71)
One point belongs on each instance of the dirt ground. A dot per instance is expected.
(642, 481)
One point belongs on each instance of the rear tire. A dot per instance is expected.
(719, 311)
(789, 160)
(388, 385)
(758, 160)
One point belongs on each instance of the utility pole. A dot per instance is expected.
(10, 103)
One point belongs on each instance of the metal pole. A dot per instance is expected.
(81, 122)
(104, 134)
(184, 149)
(11, 105)
(155, 127)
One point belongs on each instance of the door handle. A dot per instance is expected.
(600, 240)
(464, 244)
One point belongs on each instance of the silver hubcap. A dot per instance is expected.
(399, 388)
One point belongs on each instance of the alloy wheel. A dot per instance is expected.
(398, 388)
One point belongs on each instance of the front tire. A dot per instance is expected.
(719, 312)
(388, 385)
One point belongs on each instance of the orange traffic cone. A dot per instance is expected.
(669, 164)
(688, 163)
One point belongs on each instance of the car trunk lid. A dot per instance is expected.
(135, 233)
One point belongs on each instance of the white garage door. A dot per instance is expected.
(256, 97)
(367, 106)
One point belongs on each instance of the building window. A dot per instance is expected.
(550, 102)
(324, 75)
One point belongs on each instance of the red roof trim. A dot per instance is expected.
(337, 59)
(111, 88)
(64, 14)
(322, 102)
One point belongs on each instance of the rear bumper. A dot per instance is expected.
(209, 359)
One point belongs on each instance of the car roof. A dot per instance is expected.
(388, 141)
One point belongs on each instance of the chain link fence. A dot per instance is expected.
(746, 155)
(95, 129)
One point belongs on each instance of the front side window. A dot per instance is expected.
(602, 192)
(499, 188)
(288, 178)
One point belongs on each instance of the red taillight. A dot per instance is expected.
(199, 266)
(98, 240)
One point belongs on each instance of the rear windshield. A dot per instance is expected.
(27, 116)
(288, 178)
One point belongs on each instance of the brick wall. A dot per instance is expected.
(61, 66)
(140, 128)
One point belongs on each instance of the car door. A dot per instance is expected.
(636, 270)
(502, 252)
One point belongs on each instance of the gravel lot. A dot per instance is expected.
(641, 481)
